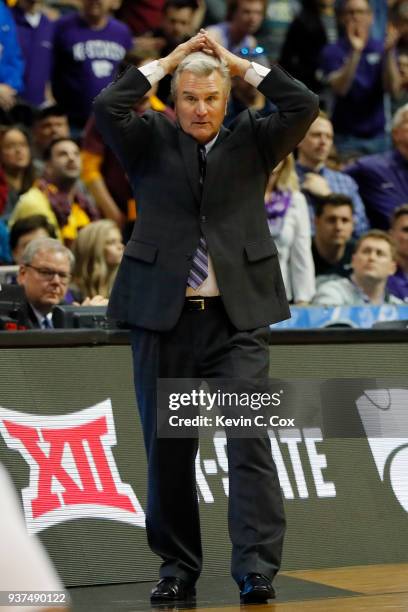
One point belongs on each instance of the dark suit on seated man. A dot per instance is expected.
(44, 273)
(200, 283)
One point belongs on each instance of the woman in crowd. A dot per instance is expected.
(16, 163)
(98, 251)
(289, 224)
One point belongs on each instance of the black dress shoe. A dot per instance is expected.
(172, 588)
(256, 588)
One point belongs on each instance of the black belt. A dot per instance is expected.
(202, 303)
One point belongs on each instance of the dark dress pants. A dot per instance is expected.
(204, 344)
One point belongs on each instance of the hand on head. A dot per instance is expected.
(237, 65)
(171, 61)
(203, 42)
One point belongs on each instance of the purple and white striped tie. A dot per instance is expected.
(199, 267)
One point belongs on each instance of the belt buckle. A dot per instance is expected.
(201, 300)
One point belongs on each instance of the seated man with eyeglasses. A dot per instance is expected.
(45, 273)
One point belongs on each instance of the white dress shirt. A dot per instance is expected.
(40, 317)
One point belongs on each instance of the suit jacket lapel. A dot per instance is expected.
(188, 148)
(213, 162)
(32, 321)
(224, 132)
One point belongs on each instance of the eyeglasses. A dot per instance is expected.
(357, 12)
(249, 52)
(48, 274)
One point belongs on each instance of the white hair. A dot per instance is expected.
(201, 64)
(45, 244)
(399, 116)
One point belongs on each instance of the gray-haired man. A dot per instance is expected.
(45, 272)
(200, 283)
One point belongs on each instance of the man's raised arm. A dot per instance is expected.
(278, 134)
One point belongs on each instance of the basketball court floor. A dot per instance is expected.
(374, 588)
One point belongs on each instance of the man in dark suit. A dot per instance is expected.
(44, 273)
(199, 285)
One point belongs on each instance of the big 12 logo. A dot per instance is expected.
(73, 473)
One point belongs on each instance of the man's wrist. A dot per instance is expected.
(241, 68)
(166, 65)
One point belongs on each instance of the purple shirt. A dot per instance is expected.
(86, 60)
(397, 285)
(361, 111)
(383, 184)
(37, 47)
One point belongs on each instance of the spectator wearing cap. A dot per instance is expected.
(25, 230)
(244, 18)
(88, 48)
(36, 36)
(373, 262)
(383, 178)
(398, 282)
(317, 180)
(56, 194)
(360, 70)
(11, 64)
(332, 247)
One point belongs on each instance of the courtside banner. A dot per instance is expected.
(71, 439)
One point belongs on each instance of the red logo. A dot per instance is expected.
(73, 473)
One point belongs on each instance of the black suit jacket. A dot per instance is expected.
(162, 164)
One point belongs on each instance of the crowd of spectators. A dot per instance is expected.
(337, 208)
